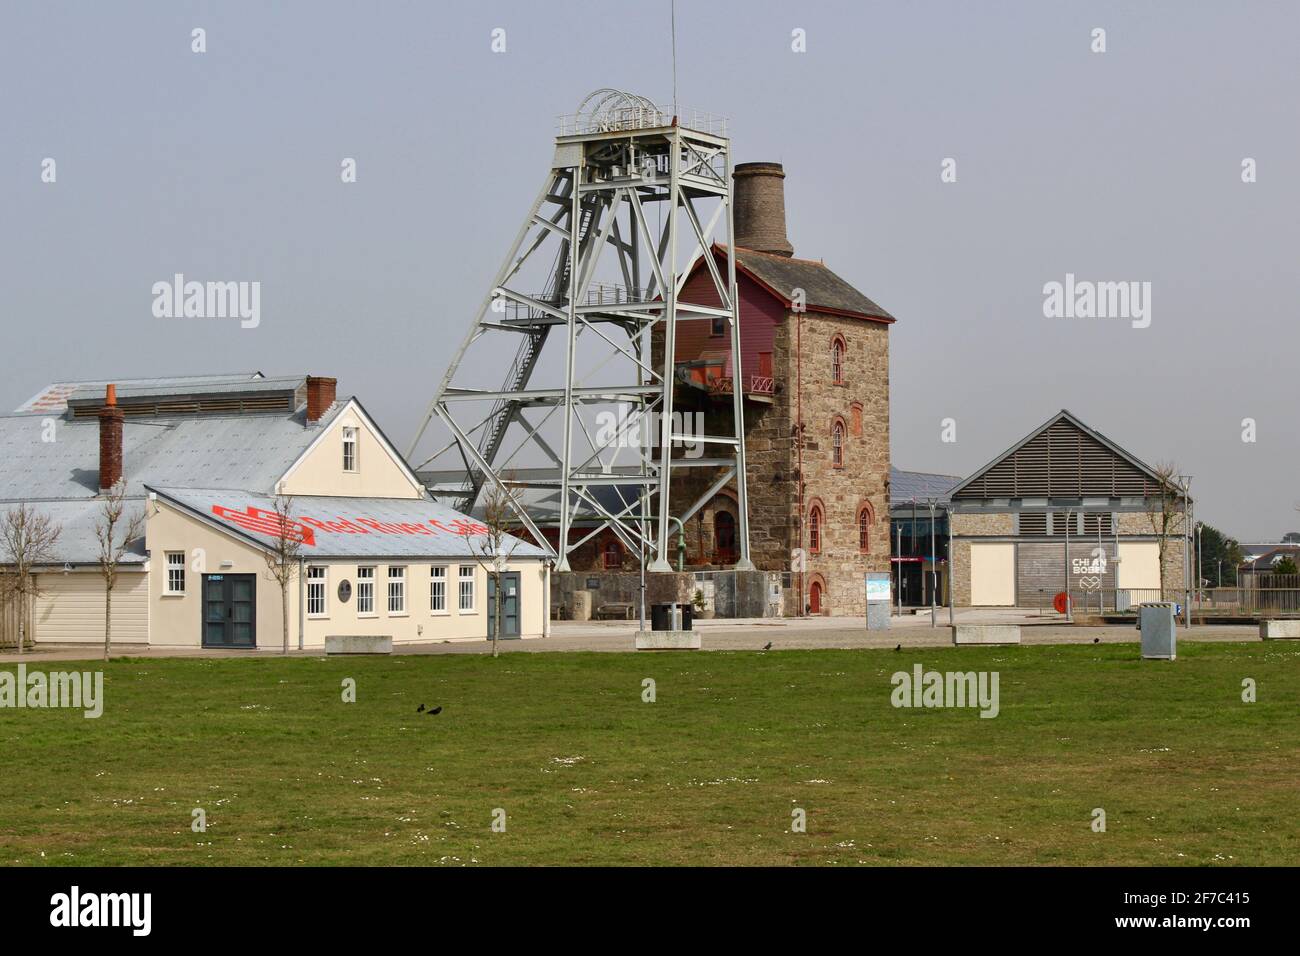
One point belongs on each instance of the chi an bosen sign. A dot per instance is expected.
(305, 529)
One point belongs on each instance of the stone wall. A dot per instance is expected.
(861, 403)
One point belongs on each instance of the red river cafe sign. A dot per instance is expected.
(304, 529)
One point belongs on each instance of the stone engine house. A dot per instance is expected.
(815, 376)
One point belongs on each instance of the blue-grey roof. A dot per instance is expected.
(906, 486)
(337, 527)
(77, 520)
(238, 451)
(61, 477)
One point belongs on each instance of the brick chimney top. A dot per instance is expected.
(320, 396)
(110, 440)
(759, 196)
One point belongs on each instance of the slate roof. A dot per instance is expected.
(337, 527)
(824, 290)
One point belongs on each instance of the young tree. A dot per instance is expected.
(27, 539)
(1165, 513)
(115, 529)
(283, 557)
(492, 549)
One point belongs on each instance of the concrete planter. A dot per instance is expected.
(358, 644)
(1279, 630)
(667, 640)
(986, 634)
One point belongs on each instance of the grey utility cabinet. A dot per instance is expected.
(1159, 631)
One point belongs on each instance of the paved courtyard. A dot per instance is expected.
(754, 634)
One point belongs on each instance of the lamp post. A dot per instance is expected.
(934, 568)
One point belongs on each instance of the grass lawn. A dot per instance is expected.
(707, 774)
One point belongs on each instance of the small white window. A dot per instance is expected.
(438, 589)
(315, 591)
(397, 590)
(365, 590)
(175, 572)
(349, 449)
(467, 589)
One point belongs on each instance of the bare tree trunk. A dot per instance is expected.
(284, 614)
(496, 613)
(22, 618)
(108, 620)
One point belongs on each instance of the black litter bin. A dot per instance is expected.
(661, 617)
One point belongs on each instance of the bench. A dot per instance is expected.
(986, 633)
(621, 611)
(358, 644)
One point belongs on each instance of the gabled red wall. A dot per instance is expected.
(760, 312)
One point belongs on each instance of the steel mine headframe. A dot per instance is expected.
(590, 295)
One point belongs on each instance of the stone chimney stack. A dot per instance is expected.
(759, 196)
(110, 440)
(320, 396)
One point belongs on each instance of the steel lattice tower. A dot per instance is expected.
(611, 277)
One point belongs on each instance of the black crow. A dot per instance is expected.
(898, 647)
(767, 646)
(1096, 640)
(420, 709)
(435, 710)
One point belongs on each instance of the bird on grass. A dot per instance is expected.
(1096, 640)
(435, 710)
(898, 647)
(767, 646)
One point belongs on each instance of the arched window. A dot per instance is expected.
(837, 444)
(837, 360)
(613, 555)
(724, 538)
(864, 529)
(815, 529)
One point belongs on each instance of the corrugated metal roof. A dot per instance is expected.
(54, 397)
(904, 486)
(349, 527)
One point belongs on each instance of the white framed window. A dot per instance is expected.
(397, 590)
(365, 591)
(466, 592)
(175, 572)
(316, 579)
(438, 589)
(349, 449)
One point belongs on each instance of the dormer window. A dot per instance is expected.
(349, 449)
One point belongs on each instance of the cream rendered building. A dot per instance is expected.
(204, 459)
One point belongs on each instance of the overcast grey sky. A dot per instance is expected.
(1114, 166)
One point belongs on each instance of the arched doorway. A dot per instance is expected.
(815, 598)
(724, 538)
